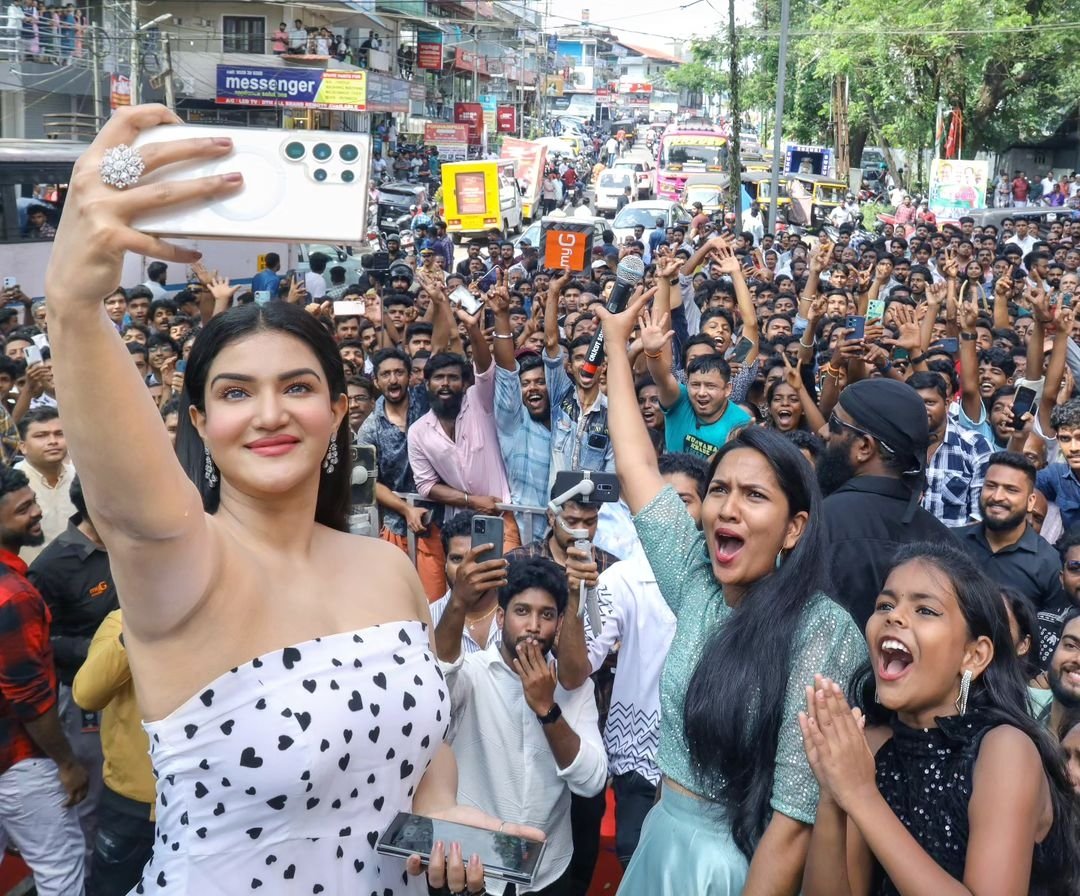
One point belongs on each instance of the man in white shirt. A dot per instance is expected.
(314, 281)
(639, 624)
(45, 463)
(1022, 238)
(1048, 184)
(298, 37)
(523, 743)
(156, 277)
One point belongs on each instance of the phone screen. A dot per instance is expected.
(1023, 403)
(504, 856)
(742, 349)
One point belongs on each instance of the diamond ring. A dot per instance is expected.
(122, 166)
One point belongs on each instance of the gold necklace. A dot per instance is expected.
(472, 622)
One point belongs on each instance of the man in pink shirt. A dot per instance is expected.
(454, 448)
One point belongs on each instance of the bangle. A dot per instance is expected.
(829, 370)
(504, 335)
(806, 345)
(886, 367)
(466, 500)
(654, 357)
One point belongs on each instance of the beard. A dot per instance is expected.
(1067, 698)
(510, 645)
(834, 467)
(446, 408)
(21, 538)
(1004, 524)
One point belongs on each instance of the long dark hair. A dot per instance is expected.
(769, 421)
(332, 505)
(1001, 692)
(735, 702)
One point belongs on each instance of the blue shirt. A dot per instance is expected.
(1061, 486)
(684, 432)
(579, 440)
(266, 280)
(525, 444)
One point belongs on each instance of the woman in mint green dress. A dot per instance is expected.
(753, 626)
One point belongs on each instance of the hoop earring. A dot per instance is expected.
(209, 470)
(330, 462)
(965, 688)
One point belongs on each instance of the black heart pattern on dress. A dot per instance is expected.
(207, 696)
(290, 656)
(254, 833)
(200, 790)
(312, 802)
(343, 762)
(284, 742)
(290, 872)
(373, 735)
(378, 804)
(408, 701)
(380, 680)
(356, 702)
(309, 685)
(304, 718)
(190, 730)
(227, 727)
(278, 802)
(248, 759)
(219, 809)
(406, 769)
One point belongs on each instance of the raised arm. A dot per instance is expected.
(498, 300)
(551, 314)
(1055, 370)
(656, 339)
(154, 526)
(970, 397)
(635, 457)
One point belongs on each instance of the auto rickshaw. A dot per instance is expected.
(758, 183)
(708, 189)
(825, 194)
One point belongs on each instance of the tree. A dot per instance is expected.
(704, 72)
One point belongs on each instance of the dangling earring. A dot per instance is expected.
(965, 687)
(209, 470)
(779, 558)
(331, 459)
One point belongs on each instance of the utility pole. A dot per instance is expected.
(134, 53)
(778, 124)
(170, 86)
(734, 160)
(95, 74)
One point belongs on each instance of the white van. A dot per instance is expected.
(611, 184)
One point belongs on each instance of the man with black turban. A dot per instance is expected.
(873, 472)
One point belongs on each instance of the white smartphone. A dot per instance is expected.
(307, 186)
(461, 296)
(262, 297)
(10, 282)
(348, 307)
(32, 355)
(40, 340)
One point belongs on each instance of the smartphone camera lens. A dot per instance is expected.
(481, 526)
(319, 174)
(322, 151)
(349, 153)
(295, 150)
(348, 176)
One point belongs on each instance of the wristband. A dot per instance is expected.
(553, 715)
(504, 335)
(653, 357)
(969, 337)
(917, 359)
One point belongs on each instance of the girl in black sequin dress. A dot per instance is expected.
(952, 789)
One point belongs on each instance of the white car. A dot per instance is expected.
(646, 214)
(612, 184)
(643, 169)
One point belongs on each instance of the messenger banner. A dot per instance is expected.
(296, 88)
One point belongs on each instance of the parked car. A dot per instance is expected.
(645, 214)
(610, 185)
(395, 199)
(532, 232)
(643, 169)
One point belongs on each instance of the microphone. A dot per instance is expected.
(628, 275)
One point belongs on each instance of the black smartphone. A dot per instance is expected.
(949, 344)
(856, 326)
(605, 486)
(1023, 403)
(504, 856)
(742, 350)
(1066, 300)
(488, 530)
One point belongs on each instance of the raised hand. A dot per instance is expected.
(297, 291)
(793, 373)
(618, 327)
(835, 744)
(655, 333)
(537, 676)
(498, 297)
(667, 267)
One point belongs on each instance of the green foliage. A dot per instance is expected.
(1007, 62)
(704, 73)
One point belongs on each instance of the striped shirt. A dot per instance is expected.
(526, 450)
(468, 645)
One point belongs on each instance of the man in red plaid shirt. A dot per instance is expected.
(40, 779)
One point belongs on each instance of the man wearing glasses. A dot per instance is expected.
(873, 472)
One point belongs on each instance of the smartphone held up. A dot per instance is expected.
(298, 185)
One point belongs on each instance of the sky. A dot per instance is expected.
(650, 23)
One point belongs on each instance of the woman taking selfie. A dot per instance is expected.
(753, 626)
(291, 713)
(952, 789)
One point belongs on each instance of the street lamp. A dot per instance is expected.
(136, 32)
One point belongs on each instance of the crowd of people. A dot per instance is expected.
(46, 32)
(838, 641)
